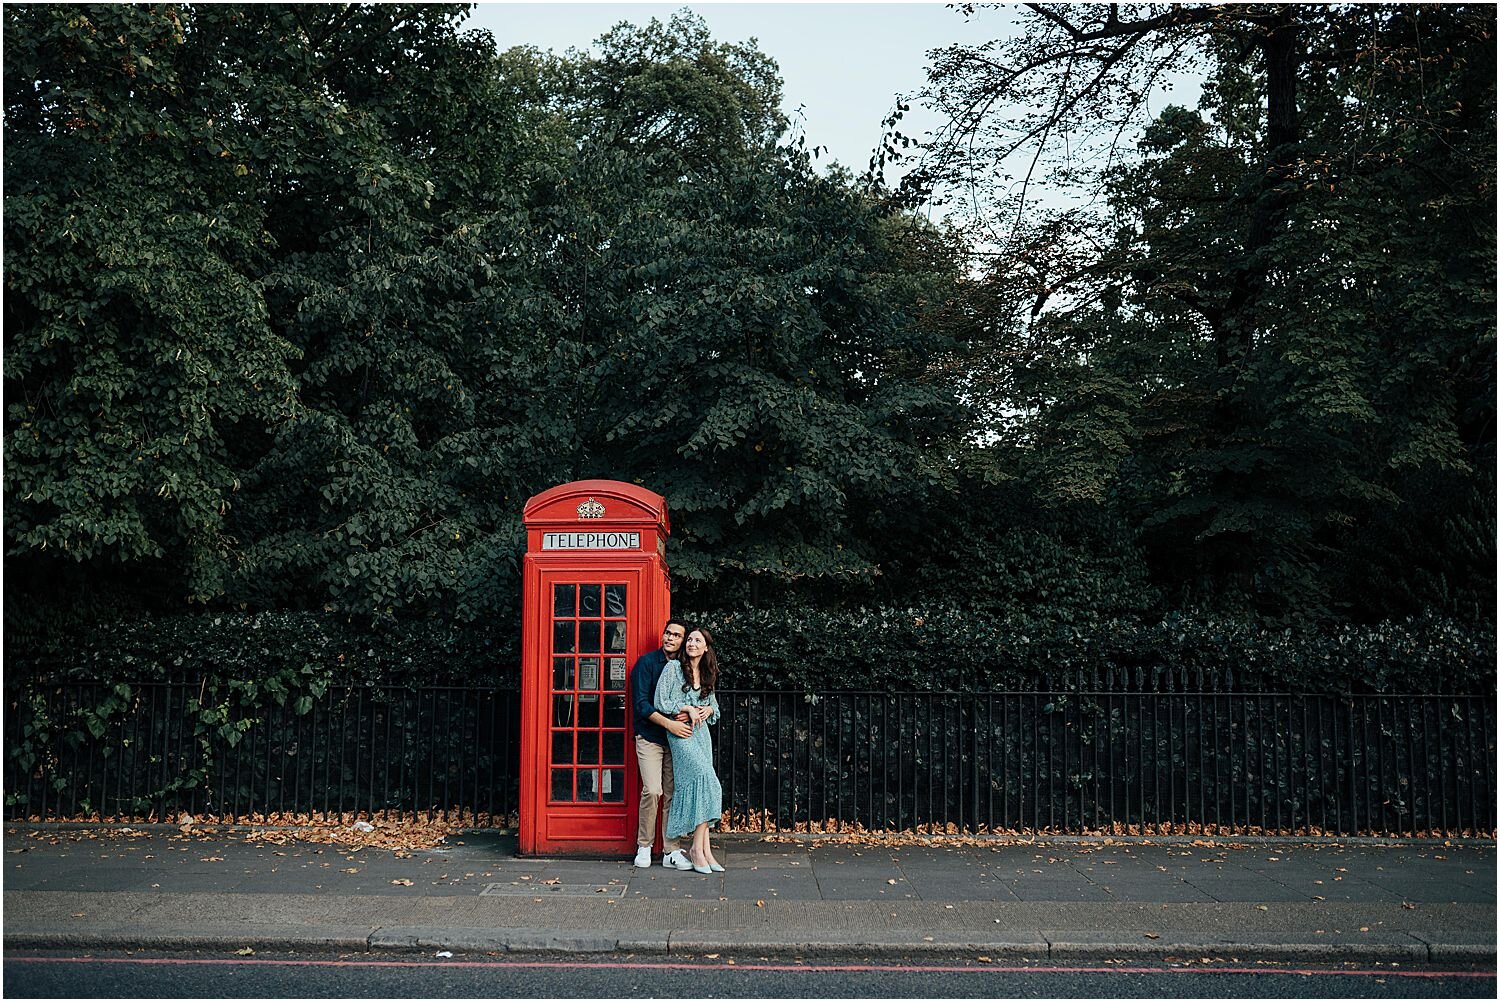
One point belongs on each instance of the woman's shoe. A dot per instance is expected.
(715, 867)
(701, 869)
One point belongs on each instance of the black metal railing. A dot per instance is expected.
(1055, 762)
(1107, 762)
(76, 751)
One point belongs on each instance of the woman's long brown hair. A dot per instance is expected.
(708, 664)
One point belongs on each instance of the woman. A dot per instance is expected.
(698, 800)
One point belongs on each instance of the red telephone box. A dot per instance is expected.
(595, 594)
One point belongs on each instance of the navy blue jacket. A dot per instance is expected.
(643, 679)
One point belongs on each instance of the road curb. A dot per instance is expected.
(420, 939)
(185, 940)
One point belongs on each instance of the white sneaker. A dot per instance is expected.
(643, 856)
(678, 859)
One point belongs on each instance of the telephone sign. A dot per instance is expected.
(591, 540)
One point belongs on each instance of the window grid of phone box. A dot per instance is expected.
(589, 643)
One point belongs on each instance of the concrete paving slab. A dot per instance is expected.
(1145, 892)
(785, 895)
(1349, 889)
(750, 889)
(957, 888)
(1434, 891)
(759, 861)
(1056, 890)
(876, 871)
(668, 885)
(1246, 890)
(832, 889)
(96, 879)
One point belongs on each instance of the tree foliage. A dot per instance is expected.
(1271, 346)
(304, 302)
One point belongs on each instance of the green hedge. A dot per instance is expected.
(256, 646)
(798, 648)
(886, 648)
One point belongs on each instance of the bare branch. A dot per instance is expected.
(1176, 17)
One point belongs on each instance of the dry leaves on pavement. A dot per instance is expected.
(401, 835)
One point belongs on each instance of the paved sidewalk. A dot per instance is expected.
(1414, 902)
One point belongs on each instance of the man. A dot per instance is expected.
(651, 751)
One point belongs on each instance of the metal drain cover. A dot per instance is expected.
(563, 890)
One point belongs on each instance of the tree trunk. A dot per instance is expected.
(1281, 48)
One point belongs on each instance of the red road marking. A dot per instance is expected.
(815, 968)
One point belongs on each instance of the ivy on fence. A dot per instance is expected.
(233, 749)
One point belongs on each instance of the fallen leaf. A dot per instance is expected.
(351, 869)
(1152, 935)
(983, 959)
(402, 881)
(553, 880)
(891, 881)
(1364, 928)
(712, 956)
(760, 902)
(1408, 905)
(244, 951)
(211, 859)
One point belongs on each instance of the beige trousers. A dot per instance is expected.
(656, 791)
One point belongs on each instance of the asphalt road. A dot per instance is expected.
(340, 975)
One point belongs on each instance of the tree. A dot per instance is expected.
(1278, 335)
(255, 349)
(749, 337)
(136, 341)
(306, 301)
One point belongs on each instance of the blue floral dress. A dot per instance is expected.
(697, 795)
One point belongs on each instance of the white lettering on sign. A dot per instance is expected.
(591, 540)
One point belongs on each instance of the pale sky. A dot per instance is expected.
(842, 63)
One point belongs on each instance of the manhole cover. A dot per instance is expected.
(563, 890)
